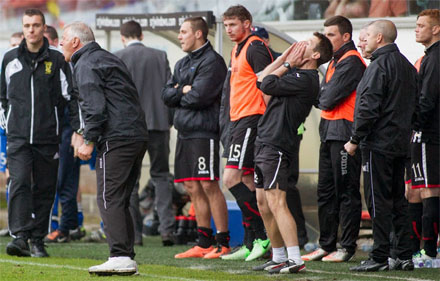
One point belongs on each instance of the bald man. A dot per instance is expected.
(382, 128)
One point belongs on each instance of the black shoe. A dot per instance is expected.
(370, 265)
(288, 266)
(77, 234)
(18, 247)
(38, 249)
(398, 264)
(266, 266)
(168, 240)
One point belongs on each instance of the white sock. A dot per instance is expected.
(294, 254)
(278, 254)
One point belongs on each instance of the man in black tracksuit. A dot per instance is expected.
(194, 92)
(292, 96)
(382, 126)
(425, 143)
(339, 199)
(35, 87)
(115, 123)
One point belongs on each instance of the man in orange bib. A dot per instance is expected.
(339, 199)
(249, 56)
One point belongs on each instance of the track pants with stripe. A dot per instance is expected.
(33, 170)
(118, 166)
(384, 189)
(339, 198)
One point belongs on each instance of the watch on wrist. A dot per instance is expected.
(287, 65)
(80, 131)
(354, 140)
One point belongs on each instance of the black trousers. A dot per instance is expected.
(159, 152)
(384, 189)
(33, 172)
(339, 199)
(68, 181)
(118, 165)
(158, 149)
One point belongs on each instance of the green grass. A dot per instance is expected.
(70, 262)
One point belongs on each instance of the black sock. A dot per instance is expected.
(247, 201)
(205, 237)
(249, 235)
(415, 211)
(430, 225)
(223, 238)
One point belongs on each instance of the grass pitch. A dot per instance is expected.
(70, 261)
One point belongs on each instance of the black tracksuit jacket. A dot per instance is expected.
(197, 112)
(344, 81)
(292, 98)
(428, 109)
(34, 92)
(385, 102)
(108, 97)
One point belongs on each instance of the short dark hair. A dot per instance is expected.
(35, 12)
(51, 32)
(198, 23)
(324, 48)
(131, 29)
(344, 24)
(237, 11)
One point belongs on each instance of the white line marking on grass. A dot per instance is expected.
(85, 269)
(368, 275)
(43, 264)
(201, 267)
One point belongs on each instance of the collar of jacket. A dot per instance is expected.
(344, 48)
(432, 47)
(241, 44)
(43, 53)
(86, 48)
(198, 53)
(383, 50)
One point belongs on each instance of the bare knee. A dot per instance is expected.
(276, 202)
(211, 188)
(413, 195)
(231, 177)
(261, 201)
(192, 188)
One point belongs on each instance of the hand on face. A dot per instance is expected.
(296, 55)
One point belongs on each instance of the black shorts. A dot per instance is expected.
(272, 167)
(196, 160)
(240, 153)
(425, 165)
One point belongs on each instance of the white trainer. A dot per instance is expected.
(340, 255)
(316, 255)
(115, 266)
